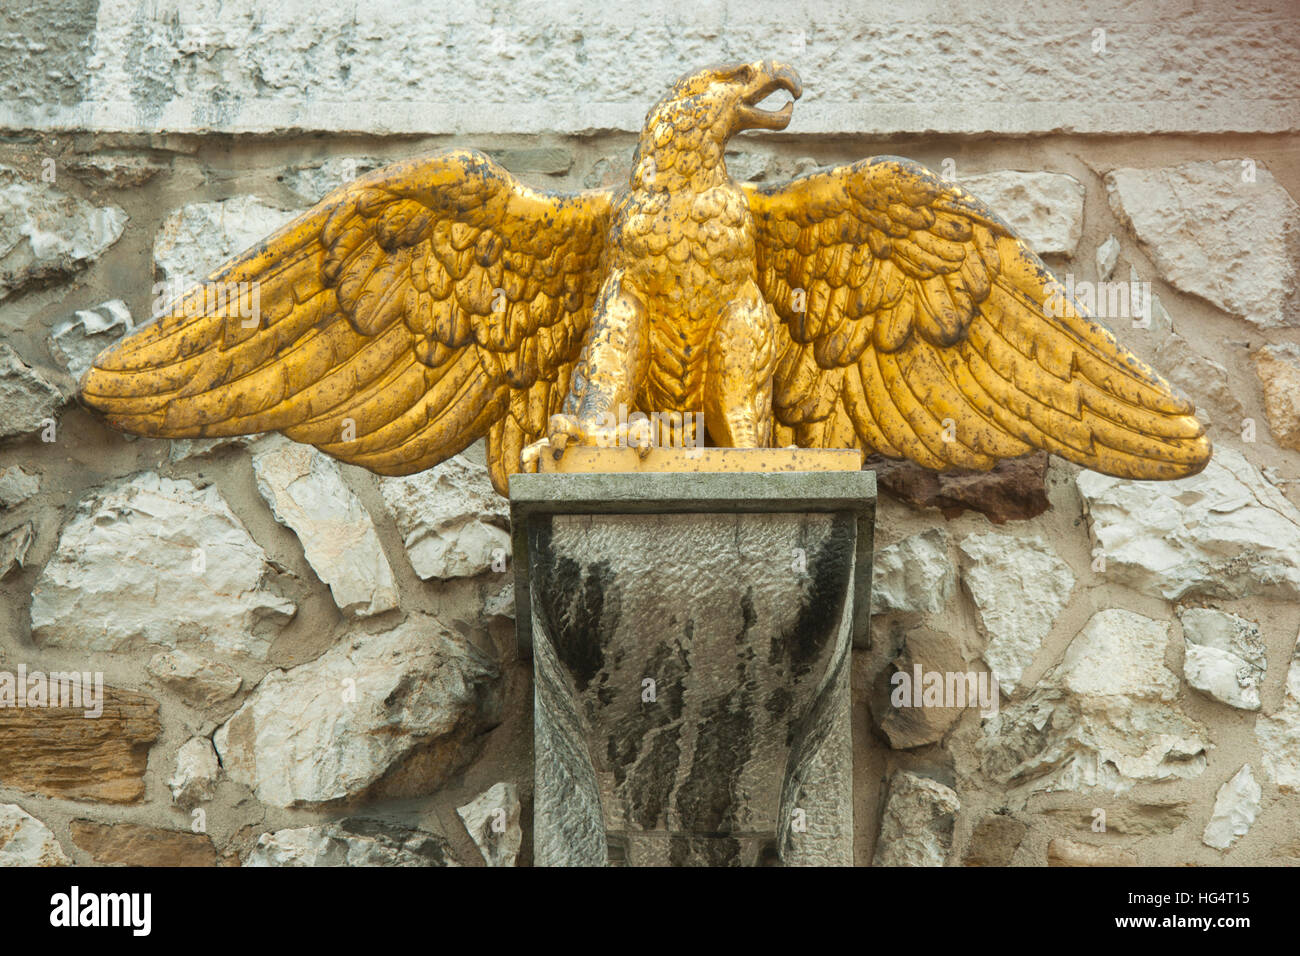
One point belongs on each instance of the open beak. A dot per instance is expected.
(769, 78)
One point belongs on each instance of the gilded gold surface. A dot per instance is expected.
(594, 459)
(873, 306)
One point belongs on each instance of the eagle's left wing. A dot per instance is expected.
(427, 304)
(918, 325)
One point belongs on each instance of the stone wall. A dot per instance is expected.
(307, 664)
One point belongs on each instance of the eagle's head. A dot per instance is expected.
(725, 99)
(706, 108)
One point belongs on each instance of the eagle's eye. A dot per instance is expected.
(744, 74)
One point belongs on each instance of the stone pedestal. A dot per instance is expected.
(690, 635)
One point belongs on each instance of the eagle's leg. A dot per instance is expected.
(738, 381)
(613, 363)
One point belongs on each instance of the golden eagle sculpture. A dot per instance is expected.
(438, 300)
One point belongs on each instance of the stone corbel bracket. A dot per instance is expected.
(690, 635)
(533, 496)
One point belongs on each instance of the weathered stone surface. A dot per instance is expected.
(1161, 321)
(306, 492)
(46, 234)
(1045, 209)
(107, 170)
(185, 449)
(995, 841)
(26, 841)
(195, 677)
(28, 402)
(133, 844)
(1287, 854)
(1197, 375)
(1140, 819)
(1062, 852)
(1214, 234)
(145, 536)
(351, 843)
(1106, 716)
(500, 603)
(44, 57)
(748, 163)
(333, 728)
(1107, 258)
(1013, 489)
(75, 342)
(608, 171)
(1224, 533)
(551, 160)
(452, 522)
(14, 545)
(16, 486)
(905, 718)
(499, 67)
(917, 826)
(718, 715)
(1118, 653)
(313, 181)
(1235, 808)
(914, 575)
(194, 780)
(1224, 656)
(1278, 368)
(59, 752)
(1279, 733)
(197, 238)
(492, 819)
(1019, 587)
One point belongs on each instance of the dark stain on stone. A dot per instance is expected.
(723, 748)
(652, 780)
(747, 615)
(818, 620)
(778, 704)
(667, 664)
(572, 602)
(775, 650)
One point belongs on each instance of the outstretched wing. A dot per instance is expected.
(921, 327)
(409, 313)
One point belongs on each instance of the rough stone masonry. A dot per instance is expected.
(271, 699)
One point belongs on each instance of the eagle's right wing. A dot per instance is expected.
(407, 314)
(926, 329)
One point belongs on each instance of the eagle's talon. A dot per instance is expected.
(638, 435)
(532, 453)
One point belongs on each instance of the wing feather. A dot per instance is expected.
(943, 319)
(399, 320)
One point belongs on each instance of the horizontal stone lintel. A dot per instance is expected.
(563, 117)
(477, 67)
